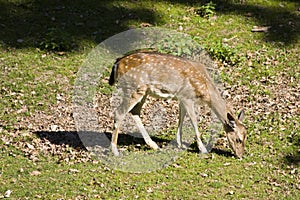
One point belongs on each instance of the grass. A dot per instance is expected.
(44, 43)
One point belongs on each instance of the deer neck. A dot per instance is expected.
(218, 104)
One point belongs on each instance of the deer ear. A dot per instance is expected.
(231, 121)
(241, 116)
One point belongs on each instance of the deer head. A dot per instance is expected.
(236, 133)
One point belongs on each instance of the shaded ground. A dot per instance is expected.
(64, 26)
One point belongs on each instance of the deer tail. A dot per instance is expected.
(114, 74)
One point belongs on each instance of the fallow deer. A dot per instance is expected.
(164, 76)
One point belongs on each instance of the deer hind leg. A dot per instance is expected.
(119, 116)
(182, 113)
(135, 114)
(190, 108)
(128, 102)
(132, 104)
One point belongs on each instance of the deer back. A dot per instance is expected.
(169, 74)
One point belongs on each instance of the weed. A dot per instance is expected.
(207, 10)
(57, 40)
(223, 53)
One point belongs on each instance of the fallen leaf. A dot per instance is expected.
(74, 170)
(176, 165)
(35, 173)
(7, 193)
(53, 127)
(30, 146)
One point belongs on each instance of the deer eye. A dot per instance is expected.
(229, 128)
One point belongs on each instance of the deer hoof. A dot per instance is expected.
(114, 150)
(204, 151)
(153, 145)
(182, 146)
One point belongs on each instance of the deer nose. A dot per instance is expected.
(240, 154)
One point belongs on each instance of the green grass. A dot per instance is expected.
(44, 43)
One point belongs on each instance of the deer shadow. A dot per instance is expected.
(222, 152)
(72, 139)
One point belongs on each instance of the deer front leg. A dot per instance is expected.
(144, 132)
(190, 108)
(200, 145)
